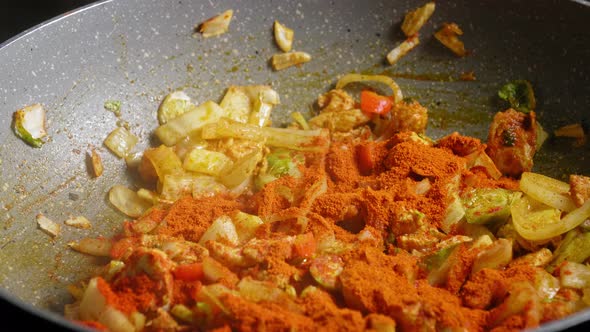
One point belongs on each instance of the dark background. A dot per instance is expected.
(20, 15)
(16, 17)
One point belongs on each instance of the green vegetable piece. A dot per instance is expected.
(280, 163)
(575, 247)
(29, 125)
(182, 313)
(438, 258)
(113, 106)
(520, 95)
(439, 264)
(487, 205)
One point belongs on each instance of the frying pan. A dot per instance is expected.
(138, 51)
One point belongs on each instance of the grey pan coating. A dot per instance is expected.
(138, 51)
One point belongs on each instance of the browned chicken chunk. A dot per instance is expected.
(512, 141)
(335, 100)
(579, 188)
(406, 116)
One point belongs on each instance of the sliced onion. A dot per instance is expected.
(211, 295)
(174, 105)
(96, 160)
(546, 285)
(453, 214)
(286, 60)
(498, 255)
(480, 158)
(222, 228)
(536, 221)
(127, 201)
(402, 49)
(138, 320)
(448, 35)
(213, 271)
(283, 36)
(241, 170)
(350, 78)
(161, 161)
(206, 162)
(120, 141)
(93, 302)
(572, 130)
(574, 275)
(93, 246)
(522, 299)
(415, 19)
(422, 187)
(78, 222)
(115, 320)
(547, 190)
(48, 225)
(298, 117)
(174, 186)
(216, 25)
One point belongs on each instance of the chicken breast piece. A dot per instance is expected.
(335, 100)
(580, 188)
(512, 141)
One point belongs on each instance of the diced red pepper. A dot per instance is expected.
(188, 272)
(374, 103)
(304, 246)
(365, 158)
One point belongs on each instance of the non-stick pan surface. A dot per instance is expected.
(138, 51)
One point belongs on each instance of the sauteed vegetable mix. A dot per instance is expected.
(351, 220)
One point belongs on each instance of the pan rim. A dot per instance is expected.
(53, 20)
(47, 315)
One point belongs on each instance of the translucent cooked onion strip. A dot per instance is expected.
(183, 125)
(96, 160)
(547, 190)
(99, 247)
(448, 35)
(206, 161)
(162, 161)
(120, 141)
(295, 139)
(536, 221)
(415, 19)
(127, 201)
(402, 49)
(572, 130)
(216, 25)
(48, 226)
(249, 103)
(174, 105)
(300, 120)
(238, 172)
(286, 60)
(174, 186)
(78, 222)
(351, 78)
(283, 36)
